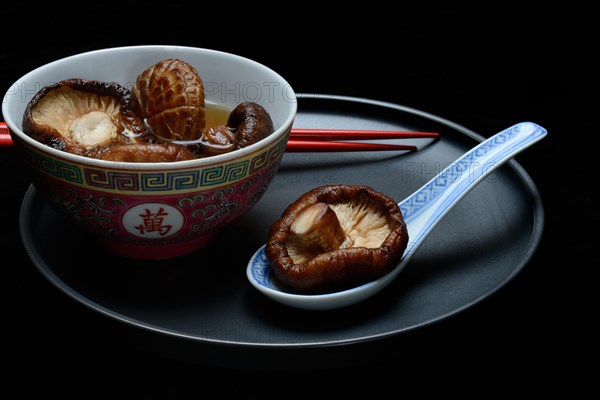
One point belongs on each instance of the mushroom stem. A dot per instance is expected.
(319, 226)
(93, 129)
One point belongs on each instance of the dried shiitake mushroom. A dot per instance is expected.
(146, 152)
(248, 123)
(171, 98)
(81, 116)
(335, 236)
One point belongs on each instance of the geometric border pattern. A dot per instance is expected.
(108, 180)
(472, 165)
(57, 168)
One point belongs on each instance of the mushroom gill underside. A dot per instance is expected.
(340, 226)
(78, 116)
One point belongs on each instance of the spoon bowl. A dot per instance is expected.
(421, 211)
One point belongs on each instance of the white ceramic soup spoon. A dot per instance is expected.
(421, 211)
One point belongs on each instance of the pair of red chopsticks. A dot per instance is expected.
(324, 140)
(303, 140)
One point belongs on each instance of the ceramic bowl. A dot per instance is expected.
(156, 210)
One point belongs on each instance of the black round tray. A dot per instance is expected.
(201, 308)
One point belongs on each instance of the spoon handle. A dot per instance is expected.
(425, 207)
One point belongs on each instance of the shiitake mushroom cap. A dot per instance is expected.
(56, 113)
(171, 98)
(251, 123)
(345, 267)
(146, 153)
(248, 123)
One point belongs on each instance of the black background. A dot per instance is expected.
(484, 67)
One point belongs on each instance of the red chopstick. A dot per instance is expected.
(5, 139)
(317, 146)
(321, 140)
(345, 134)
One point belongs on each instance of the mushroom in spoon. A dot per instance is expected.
(442, 193)
(336, 236)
